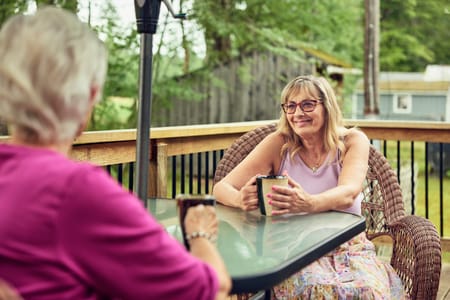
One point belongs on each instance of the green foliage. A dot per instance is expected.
(10, 7)
(406, 52)
(122, 77)
(272, 25)
(279, 42)
(71, 5)
(414, 34)
(123, 48)
(114, 114)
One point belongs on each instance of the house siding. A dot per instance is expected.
(424, 107)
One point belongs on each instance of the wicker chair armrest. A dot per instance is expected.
(417, 256)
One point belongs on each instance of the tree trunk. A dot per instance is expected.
(371, 55)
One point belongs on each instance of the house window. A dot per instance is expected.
(402, 104)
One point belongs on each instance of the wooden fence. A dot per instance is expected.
(242, 90)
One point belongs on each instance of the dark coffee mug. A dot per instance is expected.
(184, 201)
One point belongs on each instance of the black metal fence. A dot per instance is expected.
(193, 173)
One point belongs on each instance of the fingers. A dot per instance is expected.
(279, 212)
(291, 182)
(252, 180)
(279, 201)
(249, 200)
(201, 218)
(249, 195)
(250, 206)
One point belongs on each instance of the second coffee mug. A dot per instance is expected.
(184, 201)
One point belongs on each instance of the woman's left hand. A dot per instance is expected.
(292, 199)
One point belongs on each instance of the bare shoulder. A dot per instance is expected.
(274, 139)
(357, 145)
(269, 148)
(354, 136)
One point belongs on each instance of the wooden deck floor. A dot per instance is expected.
(444, 283)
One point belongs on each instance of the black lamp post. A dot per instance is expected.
(147, 14)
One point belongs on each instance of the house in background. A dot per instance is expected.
(413, 97)
(410, 96)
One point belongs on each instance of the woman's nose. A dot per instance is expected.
(299, 111)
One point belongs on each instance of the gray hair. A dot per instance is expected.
(49, 63)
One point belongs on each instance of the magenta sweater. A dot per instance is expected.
(69, 231)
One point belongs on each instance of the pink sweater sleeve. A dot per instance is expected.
(113, 244)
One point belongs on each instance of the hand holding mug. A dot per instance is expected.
(264, 186)
(197, 217)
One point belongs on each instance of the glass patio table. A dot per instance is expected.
(259, 251)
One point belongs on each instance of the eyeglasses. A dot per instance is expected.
(305, 106)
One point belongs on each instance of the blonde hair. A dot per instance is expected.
(319, 88)
(49, 63)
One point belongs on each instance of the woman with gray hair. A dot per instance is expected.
(67, 229)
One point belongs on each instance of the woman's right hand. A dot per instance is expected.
(248, 195)
(201, 218)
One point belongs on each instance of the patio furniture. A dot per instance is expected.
(254, 248)
(416, 253)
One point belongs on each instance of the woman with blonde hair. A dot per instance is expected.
(326, 164)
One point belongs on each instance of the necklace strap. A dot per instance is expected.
(314, 166)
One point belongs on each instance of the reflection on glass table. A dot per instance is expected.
(261, 251)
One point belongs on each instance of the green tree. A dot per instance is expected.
(11, 7)
(71, 5)
(233, 27)
(122, 76)
(414, 34)
(433, 23)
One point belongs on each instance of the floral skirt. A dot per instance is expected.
(351, 271)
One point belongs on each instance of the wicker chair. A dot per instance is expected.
(416, 253)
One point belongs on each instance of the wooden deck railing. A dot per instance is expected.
(113, 147)
(118, 146)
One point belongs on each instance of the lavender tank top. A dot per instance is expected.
(325, 177)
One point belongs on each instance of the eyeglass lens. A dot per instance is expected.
(305, 106)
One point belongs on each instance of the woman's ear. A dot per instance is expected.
(94, 94)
